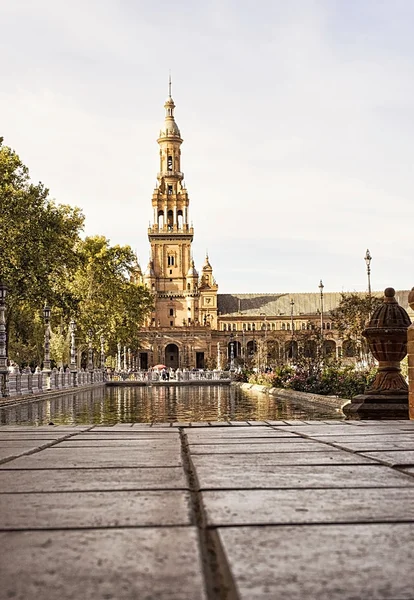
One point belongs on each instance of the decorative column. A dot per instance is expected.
(46, 361)
(4, 371)
(410, 347)
(386, 333)
(73, 365)
(218, 356)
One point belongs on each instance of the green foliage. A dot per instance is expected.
(107, 302)
(44, 259)
(37, 237)
(351, 317)
(332, 379)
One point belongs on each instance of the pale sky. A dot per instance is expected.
(296, 115)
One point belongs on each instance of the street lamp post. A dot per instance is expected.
(118, 366)
(254, 341)
(292, 304)
(90, 352)
(73, 366)
(368, 259)
(4, 371)
(102, 340)
(46, 361)
(321, 286)
(231, 352)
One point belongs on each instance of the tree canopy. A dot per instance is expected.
(43, 258)
(351, 317)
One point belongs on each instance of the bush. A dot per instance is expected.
(328, 380)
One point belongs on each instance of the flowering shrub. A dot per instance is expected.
(328, 380)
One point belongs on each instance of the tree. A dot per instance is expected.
(351, 318)
(37, 239)
(107, 302)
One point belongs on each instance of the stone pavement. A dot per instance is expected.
(243, 511)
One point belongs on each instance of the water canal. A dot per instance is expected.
(159, 404)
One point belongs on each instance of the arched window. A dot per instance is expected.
(303, 326)
(160, 219)
(180, 219)
(283, 326)
(170, 163)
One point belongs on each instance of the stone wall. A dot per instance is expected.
(315, 399)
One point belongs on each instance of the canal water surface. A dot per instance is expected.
(159, 404)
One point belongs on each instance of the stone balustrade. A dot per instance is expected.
(24, 383)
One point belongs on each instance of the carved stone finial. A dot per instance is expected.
(386, 333)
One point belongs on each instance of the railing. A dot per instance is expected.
(25, 382)
(170, 174)
(170, 375)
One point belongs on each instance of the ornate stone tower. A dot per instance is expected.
(171, 273)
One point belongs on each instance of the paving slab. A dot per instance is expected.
(14, 436)
(139, 436)
(83, 480)
(239, 476)
(26, 443)
(260, 448)
(68, 458)
(72, 510)
(242, 433)
(375, 446)
(16, 451)
(122, 564)
(393, 458)
(274, 507)
(324, 562)
(135, 444)
(252, 460)
(364, 438)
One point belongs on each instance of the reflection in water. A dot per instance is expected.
(159, 404)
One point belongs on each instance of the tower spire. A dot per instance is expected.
(169, 85)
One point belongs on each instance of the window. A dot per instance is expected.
(170, 190)
(283, 326)
(171, 323)
(170, 261)
(170, 163)
(170, 272)
(171, 312)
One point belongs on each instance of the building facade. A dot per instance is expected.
(192, 325)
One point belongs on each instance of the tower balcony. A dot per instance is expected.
(169, 229)
(178, 174)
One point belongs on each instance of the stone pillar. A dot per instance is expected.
(410, 349)
(386, 333)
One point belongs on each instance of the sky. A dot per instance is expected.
(297, 120)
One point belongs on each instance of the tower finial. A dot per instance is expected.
(169, 85)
